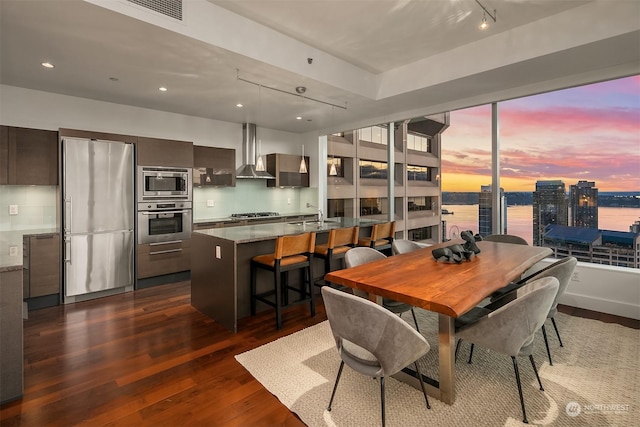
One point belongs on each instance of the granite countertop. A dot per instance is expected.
(259, 232)
(7, 268)
(230, 219)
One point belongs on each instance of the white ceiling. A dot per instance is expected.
(374, 60)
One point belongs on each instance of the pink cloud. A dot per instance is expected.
(569, 120)
(591, 132)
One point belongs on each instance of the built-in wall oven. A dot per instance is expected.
(164, 221)
(159, 183)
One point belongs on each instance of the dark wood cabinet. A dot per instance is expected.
(214, 166)
(157, 259)
(11, 332)
(28, 156)
(41, 265)
(286, 169)
(164, 152)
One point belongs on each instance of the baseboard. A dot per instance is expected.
(164, 279)
(617, 308)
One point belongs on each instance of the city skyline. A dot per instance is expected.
(585, 133)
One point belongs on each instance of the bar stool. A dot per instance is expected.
(339, 242)
(381, 237)
(292, 253)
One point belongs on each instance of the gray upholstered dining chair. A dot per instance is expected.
(362, 255)
(372, 340)
(402, 246)
(562, 270)
(511, 328)
(506, 238)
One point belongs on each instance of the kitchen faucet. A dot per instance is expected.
(320, 214)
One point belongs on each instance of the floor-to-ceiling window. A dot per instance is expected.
(569, 166)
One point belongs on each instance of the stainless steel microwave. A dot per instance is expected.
(163, 183)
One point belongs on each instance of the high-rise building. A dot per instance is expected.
(583, 204)
(485, 210)
(549, 207)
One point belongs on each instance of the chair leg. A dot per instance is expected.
(546, 343)
(285, 287)
(335, 386)
(312, 293)
(382, 399)
(415, 320)
(327, 264)
(557, 332)
(524, 411)
(277, 277)
(253, 289)
(424, 391)
(471, 352)
(455, 359)
(533, 364)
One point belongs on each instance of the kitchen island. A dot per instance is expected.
(221, 260)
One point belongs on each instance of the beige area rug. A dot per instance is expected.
(595, 374)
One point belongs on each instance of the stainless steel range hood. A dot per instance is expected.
(248, 168)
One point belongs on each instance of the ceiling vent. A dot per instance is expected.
(170, 8)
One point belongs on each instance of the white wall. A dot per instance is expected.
(603, 288)
(45, 110)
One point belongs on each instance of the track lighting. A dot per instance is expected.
(485, 24)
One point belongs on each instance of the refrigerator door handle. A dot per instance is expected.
(67, 251)
(68, 207)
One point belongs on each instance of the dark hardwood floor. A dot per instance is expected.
(148, 358)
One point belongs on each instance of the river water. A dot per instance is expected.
(520, 219)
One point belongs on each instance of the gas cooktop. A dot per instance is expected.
(254, 214)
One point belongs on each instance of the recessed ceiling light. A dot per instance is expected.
(162, 89)
(239, 105)
(299, 118)
(48, 65)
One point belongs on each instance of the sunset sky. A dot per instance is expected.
(587, 133)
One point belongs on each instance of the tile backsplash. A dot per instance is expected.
(36, 206)
(37, 212)
(251, 195)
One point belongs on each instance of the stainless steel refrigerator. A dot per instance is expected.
(97, 217)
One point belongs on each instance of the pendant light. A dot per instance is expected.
(259, 162)
(333, 171)
(303, 164)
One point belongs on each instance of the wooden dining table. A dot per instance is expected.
(449, 289)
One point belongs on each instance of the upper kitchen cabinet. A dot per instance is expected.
(286, 169)
(164, 152)
(214, 166)
(28, 156)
